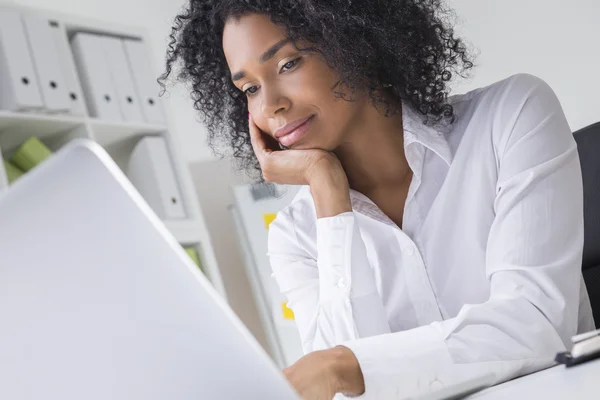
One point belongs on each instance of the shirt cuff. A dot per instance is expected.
(403, 364)
(344, 269)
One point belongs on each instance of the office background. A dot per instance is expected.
(553, 39)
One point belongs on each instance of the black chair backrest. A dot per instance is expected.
(588, 145)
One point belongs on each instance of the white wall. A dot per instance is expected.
(557, 40)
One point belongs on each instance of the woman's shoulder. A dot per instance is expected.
(522, 100)
(511, 89)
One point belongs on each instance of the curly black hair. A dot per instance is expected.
(405, 49)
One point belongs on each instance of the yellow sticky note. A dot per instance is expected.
(269, 217)
(287, 312)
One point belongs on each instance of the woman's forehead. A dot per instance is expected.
(248, 37)
(251, 31)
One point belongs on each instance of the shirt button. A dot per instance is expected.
(409, 251)
(341, 284)
(436, 385)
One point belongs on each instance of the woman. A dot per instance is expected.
(436, 237)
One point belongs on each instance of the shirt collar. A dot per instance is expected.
(415, 131)
(431, 136)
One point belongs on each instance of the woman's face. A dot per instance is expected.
(289, 92)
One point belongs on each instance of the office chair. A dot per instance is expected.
(588, 144)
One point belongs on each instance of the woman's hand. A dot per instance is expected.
(319, 169)
(289, 167)
(322, 374)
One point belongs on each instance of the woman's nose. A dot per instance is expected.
(274, 102)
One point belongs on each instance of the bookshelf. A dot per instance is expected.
(118, 138)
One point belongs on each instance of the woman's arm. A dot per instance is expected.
(334, 297)
(329, 188)
(533, 263)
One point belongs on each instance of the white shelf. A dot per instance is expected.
(117, 138)
(15, 128)
(11, 117)
(105, 132)
(108, 133)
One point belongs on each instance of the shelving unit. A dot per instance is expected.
(117, 138)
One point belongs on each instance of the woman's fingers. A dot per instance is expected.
(280, 166)
(256, 138)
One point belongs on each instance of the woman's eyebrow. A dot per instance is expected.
(266, 56)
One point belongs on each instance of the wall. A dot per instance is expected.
(553, 39)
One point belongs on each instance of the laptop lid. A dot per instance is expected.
(99, 301)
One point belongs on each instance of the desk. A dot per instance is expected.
(581, 382)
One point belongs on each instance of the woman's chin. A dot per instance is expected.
(308, 146)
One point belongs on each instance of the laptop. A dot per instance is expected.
(99, 301)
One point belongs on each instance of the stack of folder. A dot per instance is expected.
(37, 72)
(117, 78)
(41, 71)
(151, 171)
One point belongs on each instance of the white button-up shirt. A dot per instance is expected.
(485, 274)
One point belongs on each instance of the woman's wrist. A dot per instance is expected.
(349, 379)
(329, 188)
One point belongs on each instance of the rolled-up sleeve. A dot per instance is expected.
(333, 296)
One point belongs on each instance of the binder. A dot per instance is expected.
(122, 79)
(151, 172)
(100, 95)
(46, 64)
(68, 69)
(19, 83)
(145, 81)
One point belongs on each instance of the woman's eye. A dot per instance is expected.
(286, 67)
(251, 90)
(289, 65)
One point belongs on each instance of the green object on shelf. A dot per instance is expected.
(193, 255)
(12, 171)
(30, 154)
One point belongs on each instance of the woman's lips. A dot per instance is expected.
(296, 133)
